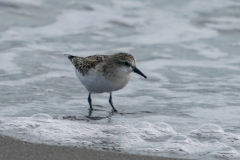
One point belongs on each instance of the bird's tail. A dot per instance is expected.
(70, 57)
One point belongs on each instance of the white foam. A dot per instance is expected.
(236, 44)
(160, 26)
(224, 23)
(196, 6)
(207, 129)
(11, 110)
(67, 23)
(163, 55)
(35, 2)
(7, 63)
(129, 4)
(42, 117)
(157, 137)
(168, 50)
(226, 152)
(182, 144)
(164, 63)
(36, 47)
(148, 130)
(36, 78)
(213, 131)
(206, 50)
(155, 25)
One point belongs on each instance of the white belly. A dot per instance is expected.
(95, 82)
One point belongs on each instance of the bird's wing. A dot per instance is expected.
(83, 65)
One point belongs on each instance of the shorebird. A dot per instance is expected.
(104, 73)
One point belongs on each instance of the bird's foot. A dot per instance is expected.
(90, 111)
(114, 110)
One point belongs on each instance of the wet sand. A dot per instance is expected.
(12, 149)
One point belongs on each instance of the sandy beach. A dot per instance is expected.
(12, 149)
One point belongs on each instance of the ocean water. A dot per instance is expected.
(188, 107)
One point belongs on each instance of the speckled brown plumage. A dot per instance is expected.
(108, 62)
(84, 64)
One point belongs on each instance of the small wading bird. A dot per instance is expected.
(104, 73)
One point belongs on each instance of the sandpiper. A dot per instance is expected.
(104, 73)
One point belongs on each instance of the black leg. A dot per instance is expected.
(110, 101)
(90, 102)
(89, 113)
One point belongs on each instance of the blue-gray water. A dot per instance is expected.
(188, 107)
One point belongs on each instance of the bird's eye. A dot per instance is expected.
(126, 64)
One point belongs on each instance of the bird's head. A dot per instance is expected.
(127, 63)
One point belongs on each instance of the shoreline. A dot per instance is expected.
(12, 149)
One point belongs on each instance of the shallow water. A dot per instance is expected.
(188, 107)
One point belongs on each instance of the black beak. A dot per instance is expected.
(139, 72)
